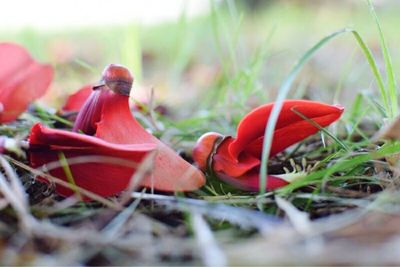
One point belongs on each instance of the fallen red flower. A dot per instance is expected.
(237, 160)
(22, 80)
(110, 130)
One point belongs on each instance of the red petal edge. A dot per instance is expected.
(102, 178)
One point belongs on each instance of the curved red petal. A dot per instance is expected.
(91, 112)
(22, 80)
(76, 100)
(234, 167)
(289, 135)
(102, 178)
(292, 126)
(204, 148)
(171, 172)
(250, 181)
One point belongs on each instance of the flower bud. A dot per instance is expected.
(117, 78)
(204, 148)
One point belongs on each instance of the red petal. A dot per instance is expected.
(171, 172)
(234, 167)
(22, 80)
(75, 101)
(290, 127)
(104, 179)
(250, 181)
(287, 136)
(204, 147)
(91, 112)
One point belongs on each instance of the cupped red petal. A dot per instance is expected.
(250, 181)
(76, 100)
(171, 172)
(290, 127)
(22, 80)
(104, 178)
(234, 167)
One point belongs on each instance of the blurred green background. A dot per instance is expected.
(233, 58)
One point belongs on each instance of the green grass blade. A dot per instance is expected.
(391, 80)
(342, 164)
(340, 143)
(86, 65)
(131, 51)
(68, 174)
(283, 91)
(220, 32)
(372, 63)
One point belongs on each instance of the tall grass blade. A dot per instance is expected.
(283, 91)
(372, 63)
(391, 80)
(131, 50)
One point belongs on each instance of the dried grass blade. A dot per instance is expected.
(211, 253)
(242, 217)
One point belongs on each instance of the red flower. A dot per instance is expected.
(110, 130)
(22, 80)
(237, 160)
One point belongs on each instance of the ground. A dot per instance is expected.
(206, 74)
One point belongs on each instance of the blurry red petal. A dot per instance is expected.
(75, 101)
(290, 127)
(104, 179)
(223, 162)
(250, 181)
(22, 80)
(171, 172)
